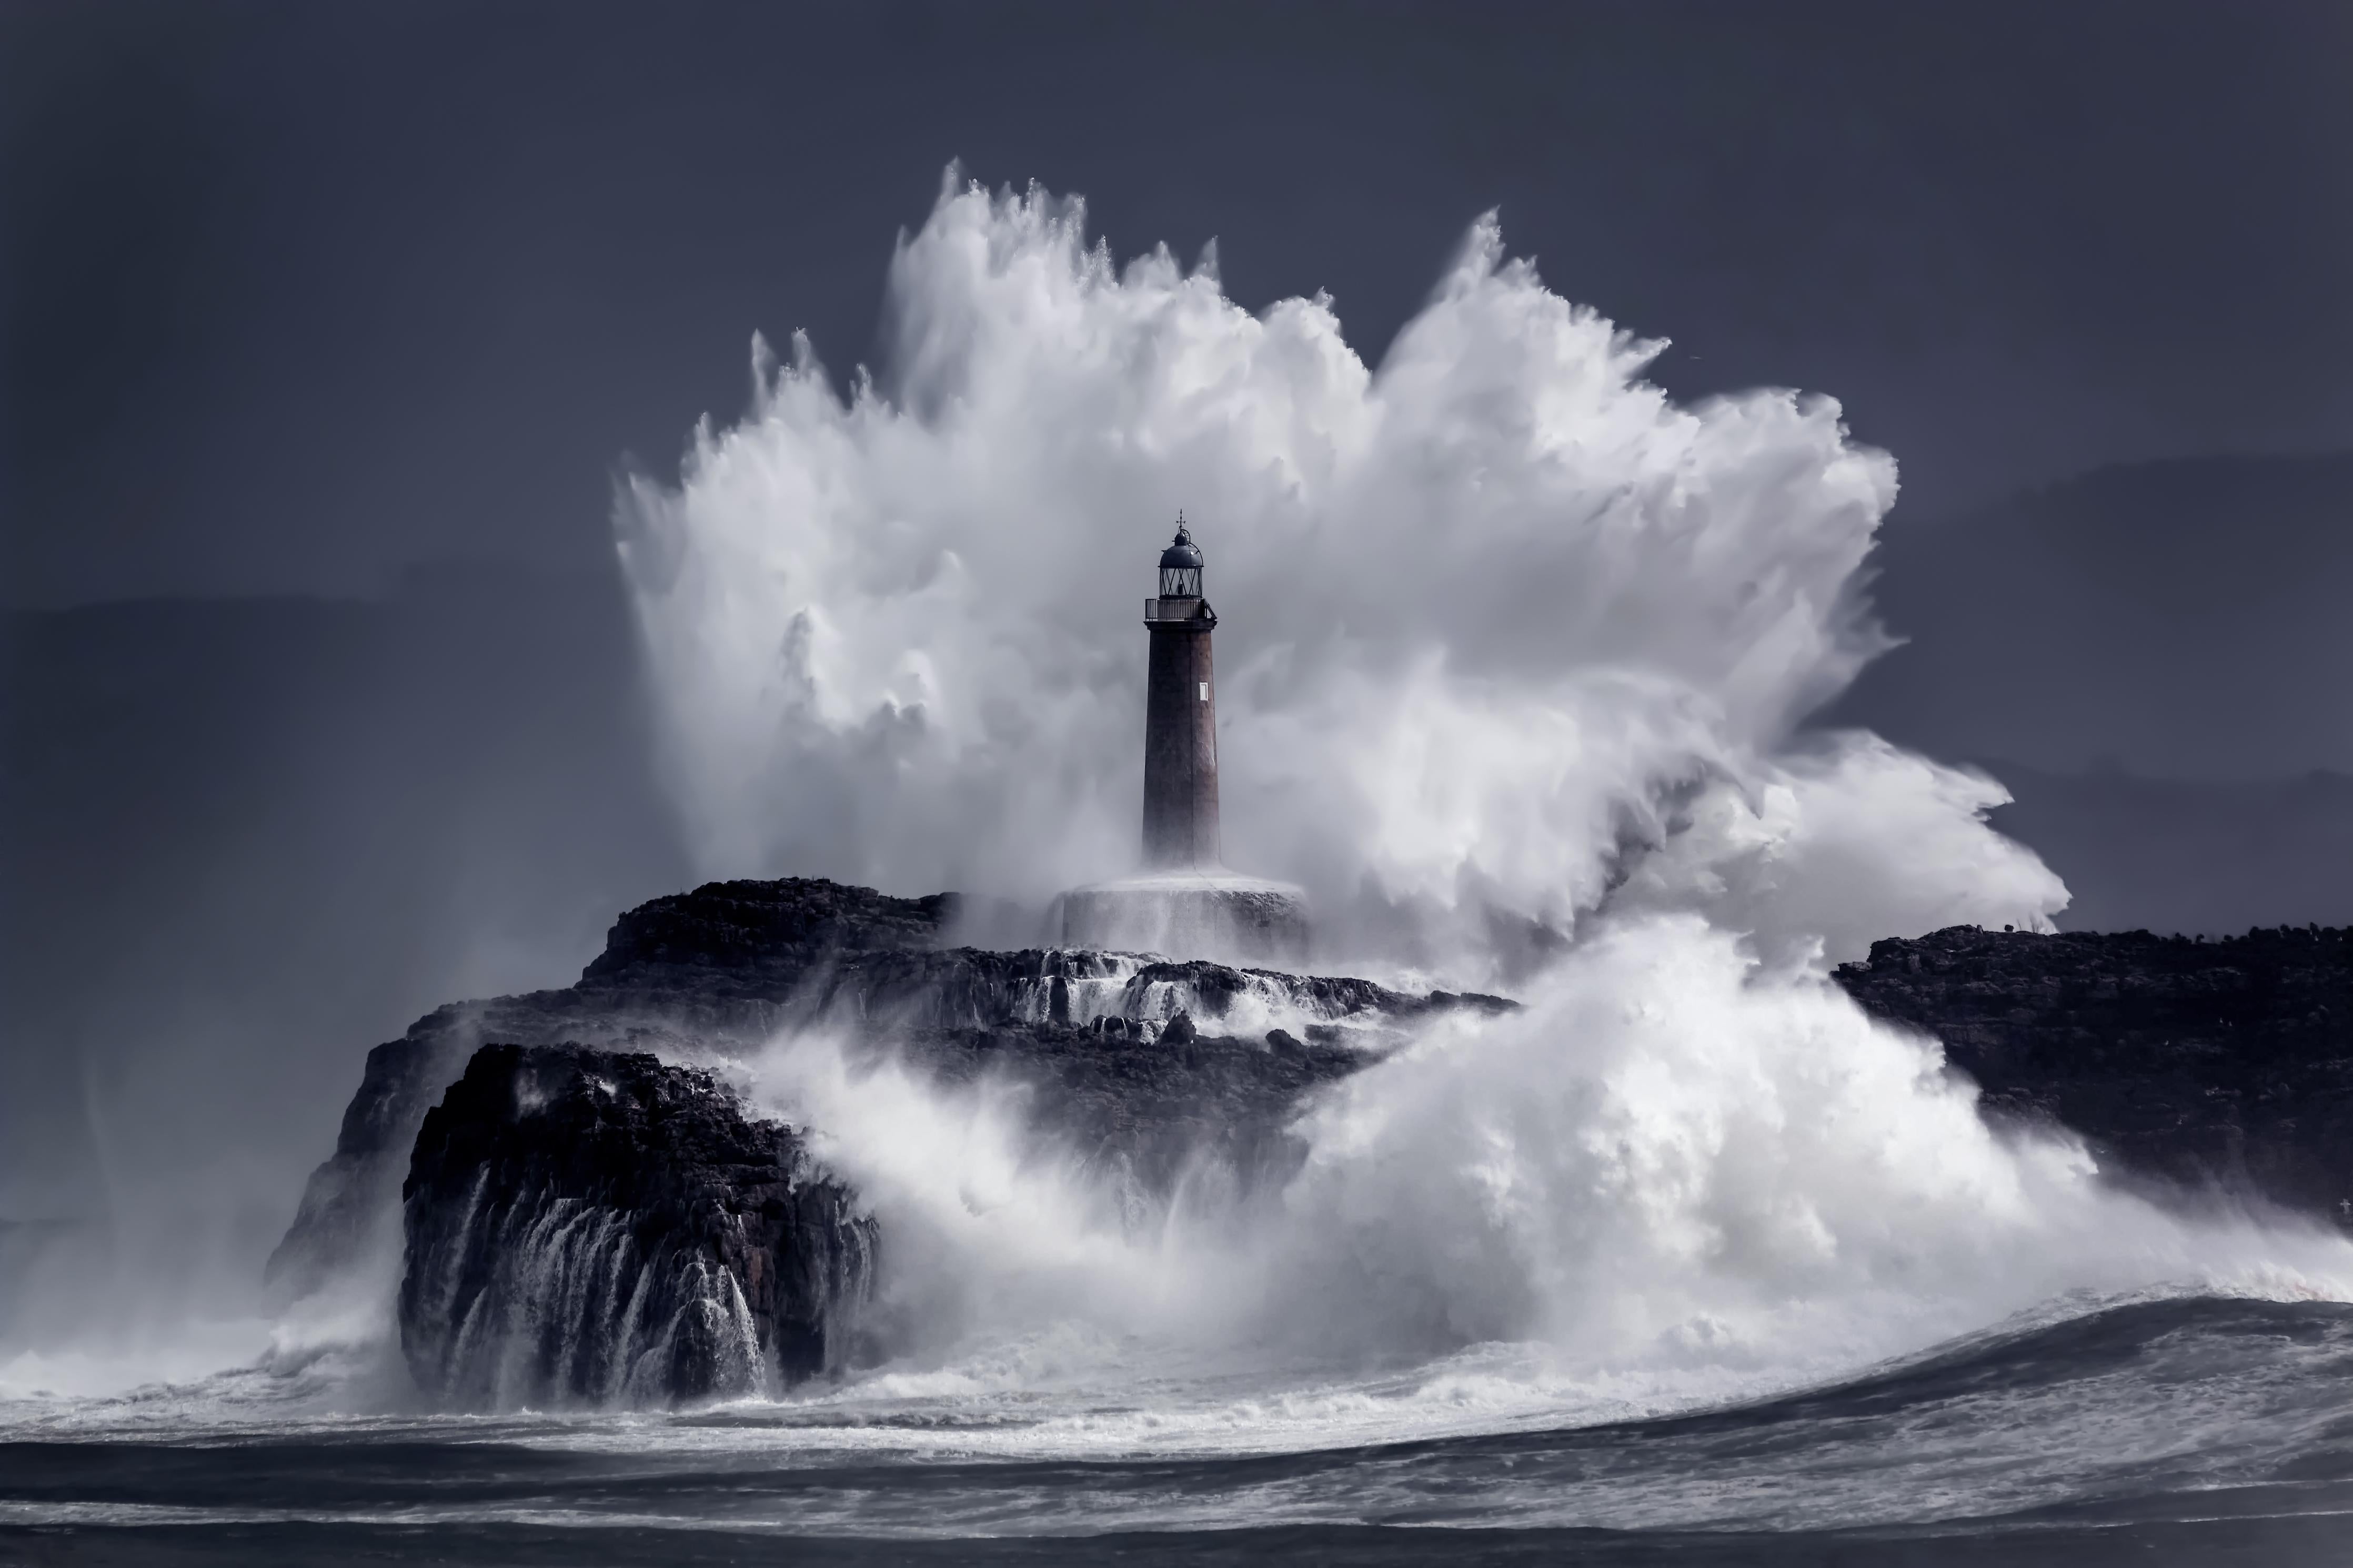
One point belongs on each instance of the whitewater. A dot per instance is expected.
(1516, 643)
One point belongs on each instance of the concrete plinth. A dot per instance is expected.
(1206, 914)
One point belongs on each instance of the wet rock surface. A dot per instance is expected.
(715, 973)
(1141, 1114)
(2222, 1063)
(755, 928)
(589, 1227)
(584, 1215)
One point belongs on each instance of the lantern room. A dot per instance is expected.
(1180, 565)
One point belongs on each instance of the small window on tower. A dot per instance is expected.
(1205, 692)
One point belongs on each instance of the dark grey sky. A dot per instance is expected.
(294, 294)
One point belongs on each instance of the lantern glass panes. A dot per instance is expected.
(1180, 565)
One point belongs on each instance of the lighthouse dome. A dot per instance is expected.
(1183, 552)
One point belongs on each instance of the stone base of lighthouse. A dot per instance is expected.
(1208, 913)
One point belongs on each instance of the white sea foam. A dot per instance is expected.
(1505, 628)
(1677, 1176)
(1491, 614)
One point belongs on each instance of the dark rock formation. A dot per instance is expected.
(1139, 1114)
(587, 1228)
(348, 1208)
(752, 928)
(2205, 1063)
(725, 969)
(583, 1223)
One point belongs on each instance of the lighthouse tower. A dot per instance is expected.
(1180, 715)
(1183, 903)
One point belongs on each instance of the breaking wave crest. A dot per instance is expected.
(1503, 626)
(1507, 631)
(1674, 1177)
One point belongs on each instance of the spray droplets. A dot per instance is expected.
(1502, 621)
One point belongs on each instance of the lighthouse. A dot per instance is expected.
(1184, 902)
(1180, 715)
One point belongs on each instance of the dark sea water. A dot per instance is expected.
(2185, 1430)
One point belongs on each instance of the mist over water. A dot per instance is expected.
(259, 836)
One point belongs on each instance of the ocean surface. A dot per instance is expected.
(2161, 1431)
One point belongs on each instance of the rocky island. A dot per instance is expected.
(2222, 1067)
(583, 1210)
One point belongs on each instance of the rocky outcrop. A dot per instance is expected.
(585, 1216)
(2206, 1063)
(1138, 1114)
(350, 1206)
(755, 928)
(588, 1227)
(721, 971)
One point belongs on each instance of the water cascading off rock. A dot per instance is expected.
(588, 1228)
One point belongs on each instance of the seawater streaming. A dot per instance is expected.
(578, 1268)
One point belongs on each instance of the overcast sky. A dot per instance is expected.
(294, 295)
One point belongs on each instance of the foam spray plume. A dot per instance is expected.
(1502, 621)
(1506, 631)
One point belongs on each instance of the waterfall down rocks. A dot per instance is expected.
(1188, 912)
(584, 1228)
